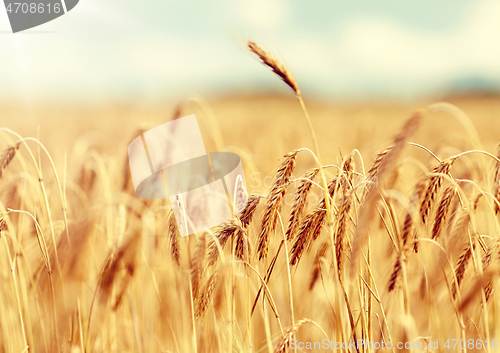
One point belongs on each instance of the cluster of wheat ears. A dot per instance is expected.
(88, 266)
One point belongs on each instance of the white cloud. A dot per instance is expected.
(106, 50)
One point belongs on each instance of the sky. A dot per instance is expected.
(156, 50)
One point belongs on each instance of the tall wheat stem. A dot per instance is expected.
(320, 165)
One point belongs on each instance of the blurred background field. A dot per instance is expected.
(266, 126)
(87, 83)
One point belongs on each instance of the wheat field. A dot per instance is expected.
(404, 248)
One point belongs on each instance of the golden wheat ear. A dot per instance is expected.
(396, 271)
(274, 201)
(442, 212)
(7, 156)
(317, 265)
(278, 68)
(225, 231)
(175, 247)
(198, 263)
(246, 215)
(435, 181)
(123, 259)
(300, 200)
(310, 227)
(462, 263)
(377, 163)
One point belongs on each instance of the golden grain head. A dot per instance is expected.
(278, 68)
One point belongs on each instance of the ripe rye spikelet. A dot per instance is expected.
(343, 217)
(300, 200)
(124, 258)
(173, 231)
(462, 263)
(206, 295)
(442, 212)
(248, 212)
(343, 214)
(278, 68)
(475, 204)
(419, 192)
(310, 227)
(407, 228)
(87, 177)
(367, 210)
(486, 263)
(235, 227)
(348, 168)
(395, 275)
(197, 264)
(317, 264)
(377, 163)
(487, 260)
(274, 202)
(242, 248)
(496, 182)
(284, 343)
(225, 231)
(435, 182)
(303, 239)
(7, 157)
